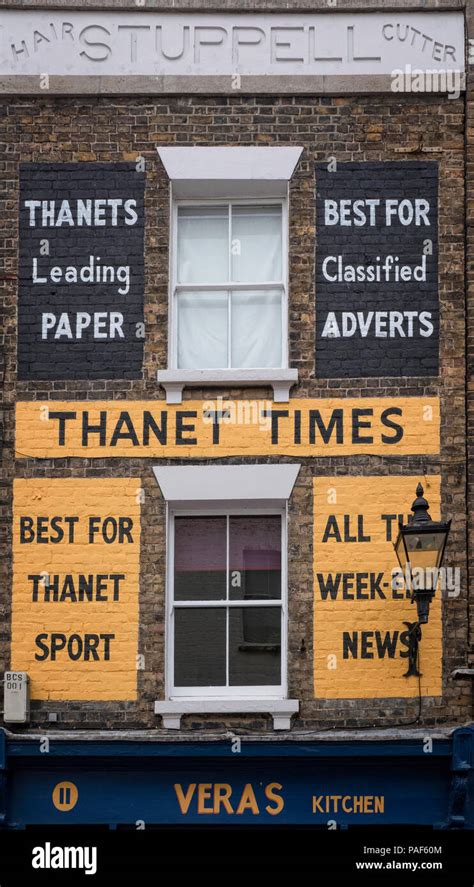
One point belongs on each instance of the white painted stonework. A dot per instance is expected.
(228, 164)
(226, 483)
(119, 43)
(281, 710)
(174, 381)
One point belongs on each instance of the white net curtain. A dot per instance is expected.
(229, 286)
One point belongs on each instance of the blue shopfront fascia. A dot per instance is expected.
(380, 778)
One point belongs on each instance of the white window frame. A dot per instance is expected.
(230, 287)
(225, 173)
(183, 694)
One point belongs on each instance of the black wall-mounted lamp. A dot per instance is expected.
(420, 547)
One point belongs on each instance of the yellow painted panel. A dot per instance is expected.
(76, 637)
(359, 632)
(323, 427)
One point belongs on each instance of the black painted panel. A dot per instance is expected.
(90, 216)
(377, 327)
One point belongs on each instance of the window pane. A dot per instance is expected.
(199, 647)
(255, 557)
(202, 330)
(254, 646)
(256, 329)
(256, 244)
(200, 558)
(203, 244)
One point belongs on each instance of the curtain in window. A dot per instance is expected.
(202, 330)
(231, 327)
(256, 329)
(203, 244)
(256, 244)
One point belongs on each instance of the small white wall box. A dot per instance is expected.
(16, 706)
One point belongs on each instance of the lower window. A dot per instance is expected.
(227, 631)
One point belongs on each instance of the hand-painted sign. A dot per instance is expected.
(184, 787)
(325, 427)
(361, 622)
(76, 546)
(377, 270)
(80, 308)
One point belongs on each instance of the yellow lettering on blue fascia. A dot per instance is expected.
(348, 803)
(219, 797)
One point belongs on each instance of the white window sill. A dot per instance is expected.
(280, 709)
(281, 380)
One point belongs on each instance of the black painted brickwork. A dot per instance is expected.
(87, 357)
(369, 355)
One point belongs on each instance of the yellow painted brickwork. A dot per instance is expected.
(303, 427)
(76, 549)
(356, 518)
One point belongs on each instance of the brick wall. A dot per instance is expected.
(470, 313)
(369, 128)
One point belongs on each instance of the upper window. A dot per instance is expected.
(229, 293)
(227, 622)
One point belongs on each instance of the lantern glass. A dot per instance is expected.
(401, 551)
(425, 550)
(421, 547)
